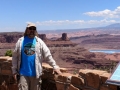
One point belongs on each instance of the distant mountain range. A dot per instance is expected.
(115, 26)
(113, 29)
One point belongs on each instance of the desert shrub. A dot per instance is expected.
(109, 68)
(8, 53)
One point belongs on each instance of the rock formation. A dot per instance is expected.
(6, 38)
(64, 37)
(43, 37)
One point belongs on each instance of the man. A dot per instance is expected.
(27, 59)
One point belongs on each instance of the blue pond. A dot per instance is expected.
(106, 51)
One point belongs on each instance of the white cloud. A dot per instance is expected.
(59, 22)
(104, 21)
(77, 22)
(51, 22)
(109, 17)
(105, 13)
(63, 24)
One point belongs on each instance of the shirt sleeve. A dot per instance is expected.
(15, 58)
(48, 56)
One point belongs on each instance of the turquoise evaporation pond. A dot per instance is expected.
(106, 51)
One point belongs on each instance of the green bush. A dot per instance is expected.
(8, 53)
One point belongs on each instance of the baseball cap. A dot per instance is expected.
(31, 24)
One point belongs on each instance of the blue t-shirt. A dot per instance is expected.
(27, 67)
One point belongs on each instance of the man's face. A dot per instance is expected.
(31, 32)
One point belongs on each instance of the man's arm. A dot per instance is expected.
(15, 58)
(48, 57)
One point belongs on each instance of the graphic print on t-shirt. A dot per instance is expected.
(29, 49)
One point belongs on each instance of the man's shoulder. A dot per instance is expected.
(21, 38)
(38, 39)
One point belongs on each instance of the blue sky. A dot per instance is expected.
(57, 14)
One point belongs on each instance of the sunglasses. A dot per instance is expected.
(32, 28)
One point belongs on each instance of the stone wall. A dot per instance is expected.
(86, 79)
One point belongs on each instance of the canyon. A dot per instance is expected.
(73, 52)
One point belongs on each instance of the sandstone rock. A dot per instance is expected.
(77, 81)
(104, 77)
(13, 87)
(104, 88)
(65, 77)
(60, 86)
(5, 65)
(91, 77)
(47, 67)
(63, 82)
(6, 72)
(112, 87)
(71, 87)
(5, 58)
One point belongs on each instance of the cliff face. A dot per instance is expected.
(103, 41)
(13, 37)
(9, 38)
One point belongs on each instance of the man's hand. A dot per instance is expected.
(15, 77)
(57, 71)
